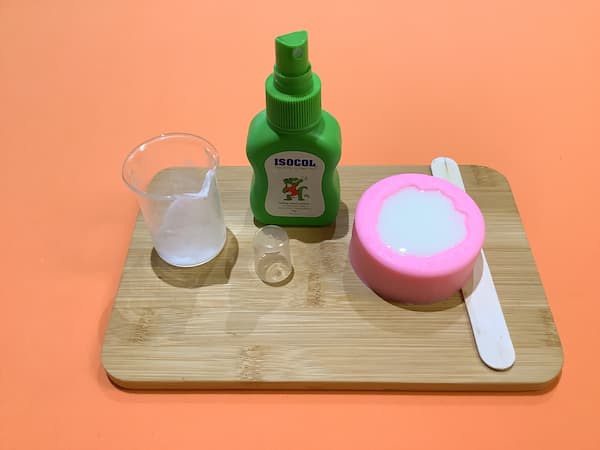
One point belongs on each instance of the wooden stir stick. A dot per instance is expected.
(491, 334)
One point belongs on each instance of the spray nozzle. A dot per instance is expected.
(293, 74)
(293, 91)
(291, 54)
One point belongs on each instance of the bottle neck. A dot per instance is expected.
(308, 129)
(293, 113)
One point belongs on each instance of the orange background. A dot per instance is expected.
(510, 84)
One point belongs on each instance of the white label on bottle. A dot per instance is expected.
(294, 184)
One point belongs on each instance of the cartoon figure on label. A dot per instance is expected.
(293, 189)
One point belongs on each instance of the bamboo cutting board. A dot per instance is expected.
(218, 326)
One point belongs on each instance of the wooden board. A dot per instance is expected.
(219, 326)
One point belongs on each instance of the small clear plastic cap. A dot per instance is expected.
(272, 259)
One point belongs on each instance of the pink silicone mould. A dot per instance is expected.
(410, 278)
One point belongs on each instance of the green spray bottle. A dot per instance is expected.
(293, 145)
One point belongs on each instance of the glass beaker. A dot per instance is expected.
(174, 177)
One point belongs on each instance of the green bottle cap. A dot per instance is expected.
(293, 91)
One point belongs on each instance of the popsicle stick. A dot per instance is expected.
(491, 333)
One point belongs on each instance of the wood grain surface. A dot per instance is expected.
(219, 326)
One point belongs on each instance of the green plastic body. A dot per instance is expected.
(322, 141)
